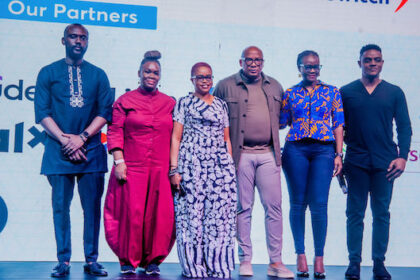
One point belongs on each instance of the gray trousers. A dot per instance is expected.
(259, 170)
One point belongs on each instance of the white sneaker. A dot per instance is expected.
(245, 269)
(281, 271)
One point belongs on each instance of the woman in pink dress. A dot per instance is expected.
(139, 209)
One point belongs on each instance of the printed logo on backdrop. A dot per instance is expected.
(403, 2)
(413, 161)
(3, 214)
(380, 2)
(89, 13)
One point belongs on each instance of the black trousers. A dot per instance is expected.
(91, 188)
(361, 183)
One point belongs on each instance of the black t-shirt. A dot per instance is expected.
(369, 118)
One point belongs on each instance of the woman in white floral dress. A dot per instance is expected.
(203, 174)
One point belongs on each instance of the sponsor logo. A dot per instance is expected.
(383, 2)
(3, 214)
(103, 140)
(37, 137)
(18, 91)
(403, 2)
(84, 12)
(413, 161)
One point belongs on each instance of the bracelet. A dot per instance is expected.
(173, 171)
(118, 161)
(339, 155)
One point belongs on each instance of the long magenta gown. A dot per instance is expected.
(139, 214)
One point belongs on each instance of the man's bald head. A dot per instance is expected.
(251, 49)
(74, 25)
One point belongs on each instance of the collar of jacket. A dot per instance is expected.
(239, 80)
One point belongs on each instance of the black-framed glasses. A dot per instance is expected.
(309, 67)
(249, 61)
(202, 78)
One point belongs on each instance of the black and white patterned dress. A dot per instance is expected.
(206, 214)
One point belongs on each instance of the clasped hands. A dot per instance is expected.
(73, 147)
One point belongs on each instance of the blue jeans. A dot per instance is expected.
(308, 166)
(91, 188)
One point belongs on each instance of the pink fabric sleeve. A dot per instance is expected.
(115, 134)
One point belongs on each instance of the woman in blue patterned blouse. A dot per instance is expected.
(312, 154)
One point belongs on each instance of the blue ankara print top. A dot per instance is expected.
(314, 114)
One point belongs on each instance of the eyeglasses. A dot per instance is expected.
(309, 67)
(203, 78)
(249, 61)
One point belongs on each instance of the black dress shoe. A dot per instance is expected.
(100, 265)
(380, 272)
(319, 275)
(353, 271)
(95, 269)
(60, 270)
(302, 274)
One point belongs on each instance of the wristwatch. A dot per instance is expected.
(85, 134)
(339, 155)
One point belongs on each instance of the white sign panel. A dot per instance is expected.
(187, 32)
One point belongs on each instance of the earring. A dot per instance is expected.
(300, 75)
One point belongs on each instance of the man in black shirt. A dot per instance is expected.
(373, 160)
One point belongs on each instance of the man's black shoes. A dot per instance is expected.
(95, 269)
(380, 272)
(60, 270)
(353, 271)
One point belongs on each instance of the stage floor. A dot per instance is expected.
(172, 271)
